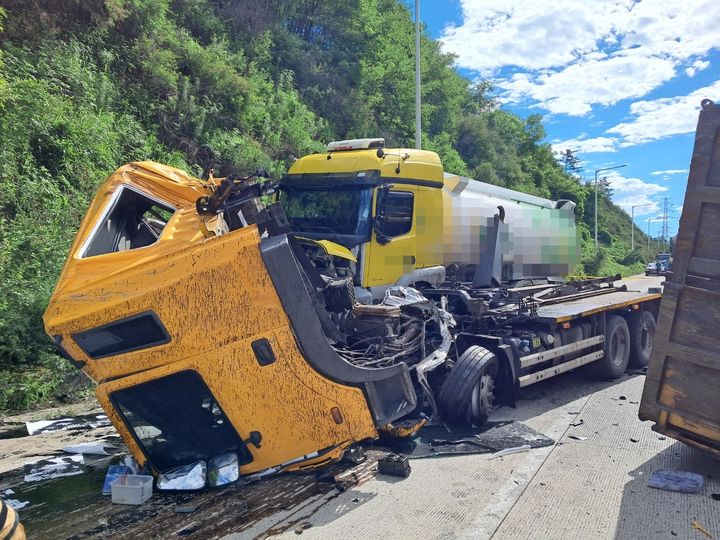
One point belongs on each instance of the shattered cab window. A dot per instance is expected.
(177, 421)
(134, 220)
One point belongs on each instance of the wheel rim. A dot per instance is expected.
(617, 348)
(483, 397)
(646, 339)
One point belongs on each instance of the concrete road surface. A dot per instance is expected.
(591, 484)
(642, 282)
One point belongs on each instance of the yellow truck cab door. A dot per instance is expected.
(391, 251)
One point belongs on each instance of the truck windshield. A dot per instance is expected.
(328, 209)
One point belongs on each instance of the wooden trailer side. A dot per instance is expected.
(682, 389)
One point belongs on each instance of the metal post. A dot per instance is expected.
(418, 115)
(596, 238)
(596, 198)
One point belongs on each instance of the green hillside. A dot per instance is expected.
(87, 85)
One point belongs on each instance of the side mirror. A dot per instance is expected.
(379, 220)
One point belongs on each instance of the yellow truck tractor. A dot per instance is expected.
(426, 221)
(227, 340)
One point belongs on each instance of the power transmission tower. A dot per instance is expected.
(570, 161)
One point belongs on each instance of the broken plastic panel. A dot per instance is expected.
(220, 470)
(223, 469)
(185, 478)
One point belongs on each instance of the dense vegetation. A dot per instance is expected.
(87, 85)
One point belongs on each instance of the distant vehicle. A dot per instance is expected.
(651, 269)
(665, 261)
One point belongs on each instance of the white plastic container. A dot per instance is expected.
(131, 489)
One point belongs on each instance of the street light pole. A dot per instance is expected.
(418, 115)
(632, 223)
(596, 198)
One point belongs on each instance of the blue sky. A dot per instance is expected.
(619, 82)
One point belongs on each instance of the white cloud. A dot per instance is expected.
(586, 146)
(660, 118)
(698, 65)
(668, 172)
(574, 89)
(629, 192)
(569, 55)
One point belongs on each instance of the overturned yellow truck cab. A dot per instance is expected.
(194, 352)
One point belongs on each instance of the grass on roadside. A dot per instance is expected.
(48, 382)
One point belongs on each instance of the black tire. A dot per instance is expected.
(617, 350)
(466, 395)
(642, 334)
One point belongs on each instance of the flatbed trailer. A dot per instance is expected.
(623, 302)
(572, 325)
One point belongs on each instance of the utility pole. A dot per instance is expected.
(664, 233)
(632, 223)
(418, 115)
(596, 198)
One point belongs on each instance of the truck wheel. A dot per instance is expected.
(617, 350)
(467, 393)
(642, 334)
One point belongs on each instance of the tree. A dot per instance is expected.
(604, 187)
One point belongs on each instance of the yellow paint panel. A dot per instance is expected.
(287, 402)
(206, 297)
(420, 164)
(385, 263)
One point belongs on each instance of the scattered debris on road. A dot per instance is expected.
(91, 421)
(394, 465)
(54, 467)
(508, 451)
(681, 481)
(697, 526)
(186, 508)
(438, 440)
(16, 504)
